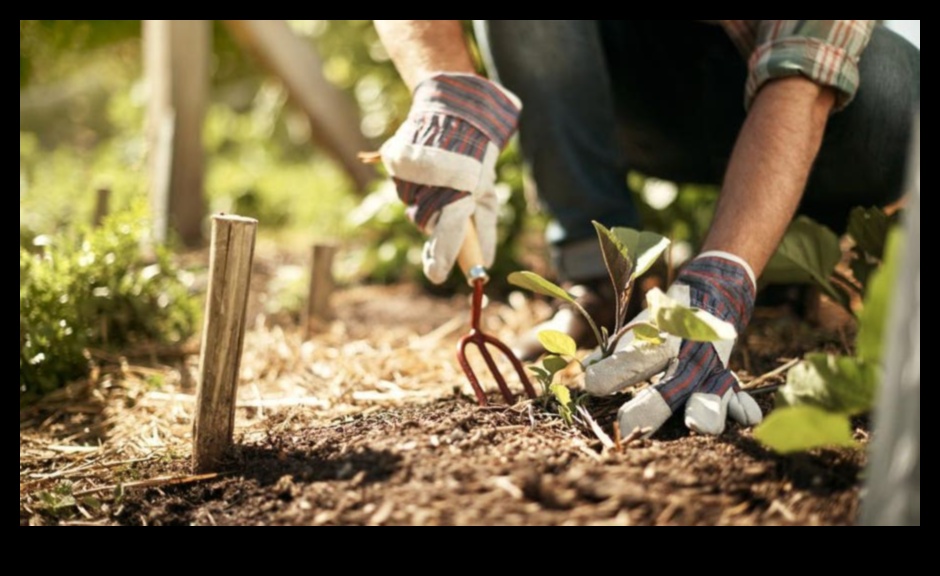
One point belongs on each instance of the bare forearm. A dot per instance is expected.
(421, 47)
(769, 168)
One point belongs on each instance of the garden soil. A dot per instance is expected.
(368, 421)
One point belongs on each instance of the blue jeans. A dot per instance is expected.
(665, 98)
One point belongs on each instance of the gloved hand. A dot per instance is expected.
(443, 159)
(697, 377)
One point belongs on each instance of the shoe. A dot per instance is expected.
(595, 296)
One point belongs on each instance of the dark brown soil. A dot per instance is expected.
(453, 463)
(369, 421)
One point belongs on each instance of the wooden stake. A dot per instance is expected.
(102, 200)
(223, 335)
(321, 283)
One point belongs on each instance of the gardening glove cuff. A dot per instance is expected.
(721, 284)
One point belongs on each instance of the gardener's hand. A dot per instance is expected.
(443, 158)
(697, 377)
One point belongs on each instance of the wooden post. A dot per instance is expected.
(223, 335)
(102, 200)
(321, 284)
(334, 117)
(176, 66)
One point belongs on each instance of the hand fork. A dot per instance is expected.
(470, 260)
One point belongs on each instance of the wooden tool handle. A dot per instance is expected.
(369, 157)
(470, 257)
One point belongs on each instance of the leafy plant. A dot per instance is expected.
(825, 390)
(627, 254)
(810, 252)
(96, 289)
(58, 502)
(666, 316)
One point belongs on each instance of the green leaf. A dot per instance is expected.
(616, 259)
(809, 252)
(869, 228)
(535, 283)
(563, 397)
(643, 247)
(687, 323)
(562, 394)
(874, 316)
(799, 428)
(836, 383)
(647, 332)
(554, 364)
(558, 342)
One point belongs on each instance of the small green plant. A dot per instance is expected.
(666, 316)
(97, 289)
(562, 351)
(59, 502)
(869, 228)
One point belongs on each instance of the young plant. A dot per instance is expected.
(562, 351)
(627, 255)
(666, 316)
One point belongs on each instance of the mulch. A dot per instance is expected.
(369, 421)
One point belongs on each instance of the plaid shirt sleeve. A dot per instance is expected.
(825, 51)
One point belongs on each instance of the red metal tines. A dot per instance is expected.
(481, 339)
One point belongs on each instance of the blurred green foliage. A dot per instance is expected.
(50, 49)
(103, 288)
(82, 117)
(680, 212)
(82, 120)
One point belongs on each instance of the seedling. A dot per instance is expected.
(627, 255)
(666, 317)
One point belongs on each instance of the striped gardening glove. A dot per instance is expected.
(443, 158)
(697, 377)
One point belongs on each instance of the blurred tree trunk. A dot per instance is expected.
(334, 117)
(176, 66)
